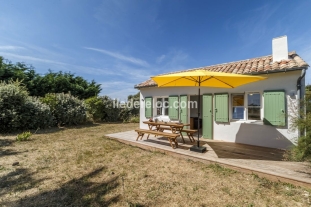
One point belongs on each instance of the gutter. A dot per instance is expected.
(300, 95)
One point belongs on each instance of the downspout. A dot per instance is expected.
(299, 94)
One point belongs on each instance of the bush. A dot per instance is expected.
(66, 109)
(129, 115)
(134, 119)
(20, 112)
(111, 113)
(103, 109)
(23, 136)
(12, 98)
(36, 114)
(106, 109)
(302, 151)
(96, 108)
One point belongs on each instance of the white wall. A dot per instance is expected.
(242, 131)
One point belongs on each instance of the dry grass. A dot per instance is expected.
(80, 167)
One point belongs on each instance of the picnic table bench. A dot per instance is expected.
(190, 133)
(170, 136)
(170, 126)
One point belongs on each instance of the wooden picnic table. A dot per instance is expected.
(175, 127)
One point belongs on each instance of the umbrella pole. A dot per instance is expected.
(199, 108)
(197, 148)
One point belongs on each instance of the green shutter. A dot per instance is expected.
(274, 108)
(184, 109)
(221, 107)
(173, 108)
(148, 107)
(207, 122)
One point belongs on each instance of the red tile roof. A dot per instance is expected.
(254, 66)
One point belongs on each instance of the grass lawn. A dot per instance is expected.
(79, 166)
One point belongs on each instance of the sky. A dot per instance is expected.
(120, 43)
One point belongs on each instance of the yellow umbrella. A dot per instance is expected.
(207, 79)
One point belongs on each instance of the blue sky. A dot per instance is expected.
(122, 43)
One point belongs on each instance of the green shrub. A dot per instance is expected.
(66, 109)
(12, 98)
(96, 108)
(23, 136)
(103, 109)
(109, 110)
(134, 119)
(111, 113)
(20, 112)
(302, 151)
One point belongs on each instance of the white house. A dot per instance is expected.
(258, 113)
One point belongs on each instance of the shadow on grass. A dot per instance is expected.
(19, 180)
(85, 126)
(77, 192)
(6, 143)
(8, 152)
(58, 129)
(62, 128)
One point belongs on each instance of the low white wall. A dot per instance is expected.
(242, 131)
(254, 134)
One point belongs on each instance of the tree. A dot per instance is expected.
(51, 82)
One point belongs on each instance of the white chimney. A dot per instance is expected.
(279, 48)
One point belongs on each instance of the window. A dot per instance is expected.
(166, 106)
(162, 106)
(159, 106)
(238, 106)
(253, 106)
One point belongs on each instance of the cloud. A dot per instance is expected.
(118, 89)
(119, 56)
(123, 15)
(304, 51)
(172, 61)
(30, 58)
(254, 25)
(65, 66)
(120, 94)
(11, 47)
(160, 59)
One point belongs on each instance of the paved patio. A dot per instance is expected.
(263, 161)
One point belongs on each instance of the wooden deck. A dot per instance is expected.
(263, 161)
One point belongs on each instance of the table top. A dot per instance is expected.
(165, 123)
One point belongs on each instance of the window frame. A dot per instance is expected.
(163, 109)
(244, 112)
(245, 106)
(260, 106)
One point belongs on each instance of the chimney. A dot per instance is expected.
(279, 48)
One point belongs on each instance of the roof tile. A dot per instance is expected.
(250, 66)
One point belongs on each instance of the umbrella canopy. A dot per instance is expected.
(205, 78)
